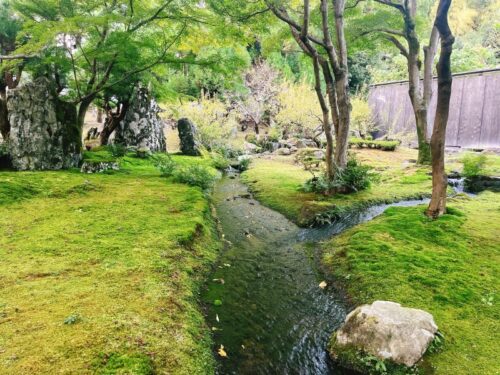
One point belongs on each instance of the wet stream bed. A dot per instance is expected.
(264, 303)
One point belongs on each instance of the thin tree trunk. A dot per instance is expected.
(99, 115)
(437, 205)
(4, 121)
(82, 111)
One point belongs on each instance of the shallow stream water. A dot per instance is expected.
(264, 302)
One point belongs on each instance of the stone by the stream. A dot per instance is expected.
(44, 132)
(386, 330)
(142, 126)
(187, 136)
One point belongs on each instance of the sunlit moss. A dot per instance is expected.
(125, 253)
(448, 267)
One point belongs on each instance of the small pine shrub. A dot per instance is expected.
(473, 165)
(194, 175)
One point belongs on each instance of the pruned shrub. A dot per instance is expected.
(379, 145)
(194, 175)
(244, 163)
(309, 158)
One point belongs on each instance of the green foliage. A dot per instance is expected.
(165, 164)
(72, 319)
(117, 150)
(195, 175)
(354, 177)
(380, 145)
(309, 158)
(473, 164)
(361, 116)
(244, 164)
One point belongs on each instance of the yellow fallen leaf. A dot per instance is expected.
(323, 284)
(222, 352)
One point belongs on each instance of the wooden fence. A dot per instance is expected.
(474, 120)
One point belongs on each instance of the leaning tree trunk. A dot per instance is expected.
(112, 121)
(437, 205)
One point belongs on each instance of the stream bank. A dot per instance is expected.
(265, 305)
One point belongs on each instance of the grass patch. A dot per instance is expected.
(448, 267)
(277, 183)
(100, 273)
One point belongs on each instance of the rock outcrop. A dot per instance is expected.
(44, 132)
(187, 136)
(99, 166)
(142, 126)
(385, 330)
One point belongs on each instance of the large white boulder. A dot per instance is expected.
(388, 331)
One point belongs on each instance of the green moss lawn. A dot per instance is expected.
(277, 183)
(449, 267)
(100, 273)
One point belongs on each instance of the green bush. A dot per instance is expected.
(165, 164)
(219, 161)
(473, 165)
(244, 164)
(354, 177)
(379, 145)
(309, 158)
(117, 150)
(194, 175)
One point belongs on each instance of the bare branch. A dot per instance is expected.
(399, 45)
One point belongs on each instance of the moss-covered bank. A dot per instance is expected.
(277, 183)
(448, 267)
(101, 273)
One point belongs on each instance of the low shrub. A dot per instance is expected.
(165, 164)
(354, 177)
(194, 175)
(309, 158)
(117, 150)
(368, 143)
(473, 165)
(219, 161)
(244, 163)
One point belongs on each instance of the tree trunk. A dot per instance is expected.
(99, 115)
(4, 121)
(82, 111)
(112, 121)
(437, 205)
(256, 128)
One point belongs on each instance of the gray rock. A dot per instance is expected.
(250, 147)
(187, 135)
(305, 143)
(388, 331)
(283, 151)
(44, 132)
(99, 166)
(142, 125)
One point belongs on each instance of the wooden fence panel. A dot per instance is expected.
(474, 120)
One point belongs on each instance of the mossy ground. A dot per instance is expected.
(277, 183)
(448, 267)
(100, 273)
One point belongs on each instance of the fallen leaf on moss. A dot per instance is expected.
(323, 284)
(222, 352)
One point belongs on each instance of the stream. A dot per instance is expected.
(264, 302)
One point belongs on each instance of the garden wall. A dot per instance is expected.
(474, 120)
